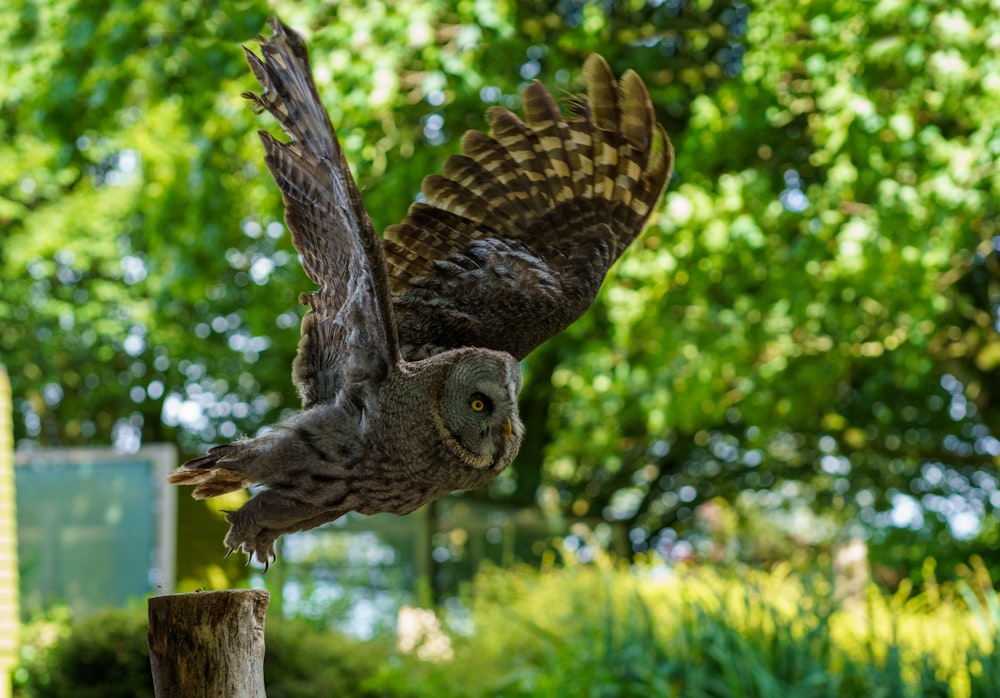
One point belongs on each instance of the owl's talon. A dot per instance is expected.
(265, 551)
(229, 552)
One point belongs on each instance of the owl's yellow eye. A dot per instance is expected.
(477, 405)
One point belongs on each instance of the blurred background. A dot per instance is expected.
(794, 373)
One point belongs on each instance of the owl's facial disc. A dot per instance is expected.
(479, 409)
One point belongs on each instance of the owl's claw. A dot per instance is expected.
(269, 557)
(265, 549)
(255, 527)
(229, 552)
(256, 542)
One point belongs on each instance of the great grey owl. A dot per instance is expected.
(408, 362)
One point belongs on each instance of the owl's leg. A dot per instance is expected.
(258, 523)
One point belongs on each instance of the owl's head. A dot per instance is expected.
(478, 409)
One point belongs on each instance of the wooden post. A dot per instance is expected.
(10, 614)
(208, 644)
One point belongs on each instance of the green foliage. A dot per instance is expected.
(106, 654)
(302, 661)
(598, 630)
(696, 632)
(140, 223)
(102, 655)
(812, 321)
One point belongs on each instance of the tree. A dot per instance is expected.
(826, 285)
(811, 322)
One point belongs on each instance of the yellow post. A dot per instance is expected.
(9, 611)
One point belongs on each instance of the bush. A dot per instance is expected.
(598, 631)
(101, 656)
(304, 662)
(105, 655)
(588, 631)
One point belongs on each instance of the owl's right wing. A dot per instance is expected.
(513, 243)
(349, 339)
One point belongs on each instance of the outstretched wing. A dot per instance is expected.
(516, 237)
(348, 337)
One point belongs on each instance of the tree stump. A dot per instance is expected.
(208, 644)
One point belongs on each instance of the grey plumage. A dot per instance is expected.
(420, 437)
(407, 366)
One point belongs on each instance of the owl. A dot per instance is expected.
(408, 361)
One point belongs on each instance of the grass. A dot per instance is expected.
(602, 630)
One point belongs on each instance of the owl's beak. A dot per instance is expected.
(508, 428)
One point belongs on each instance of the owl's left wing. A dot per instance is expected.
(349, 338)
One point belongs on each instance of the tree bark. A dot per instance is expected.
(208, 644)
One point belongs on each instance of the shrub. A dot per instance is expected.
(105, 655)
(588, 631)
(598, 631)
(304, 662)
(101, 656)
